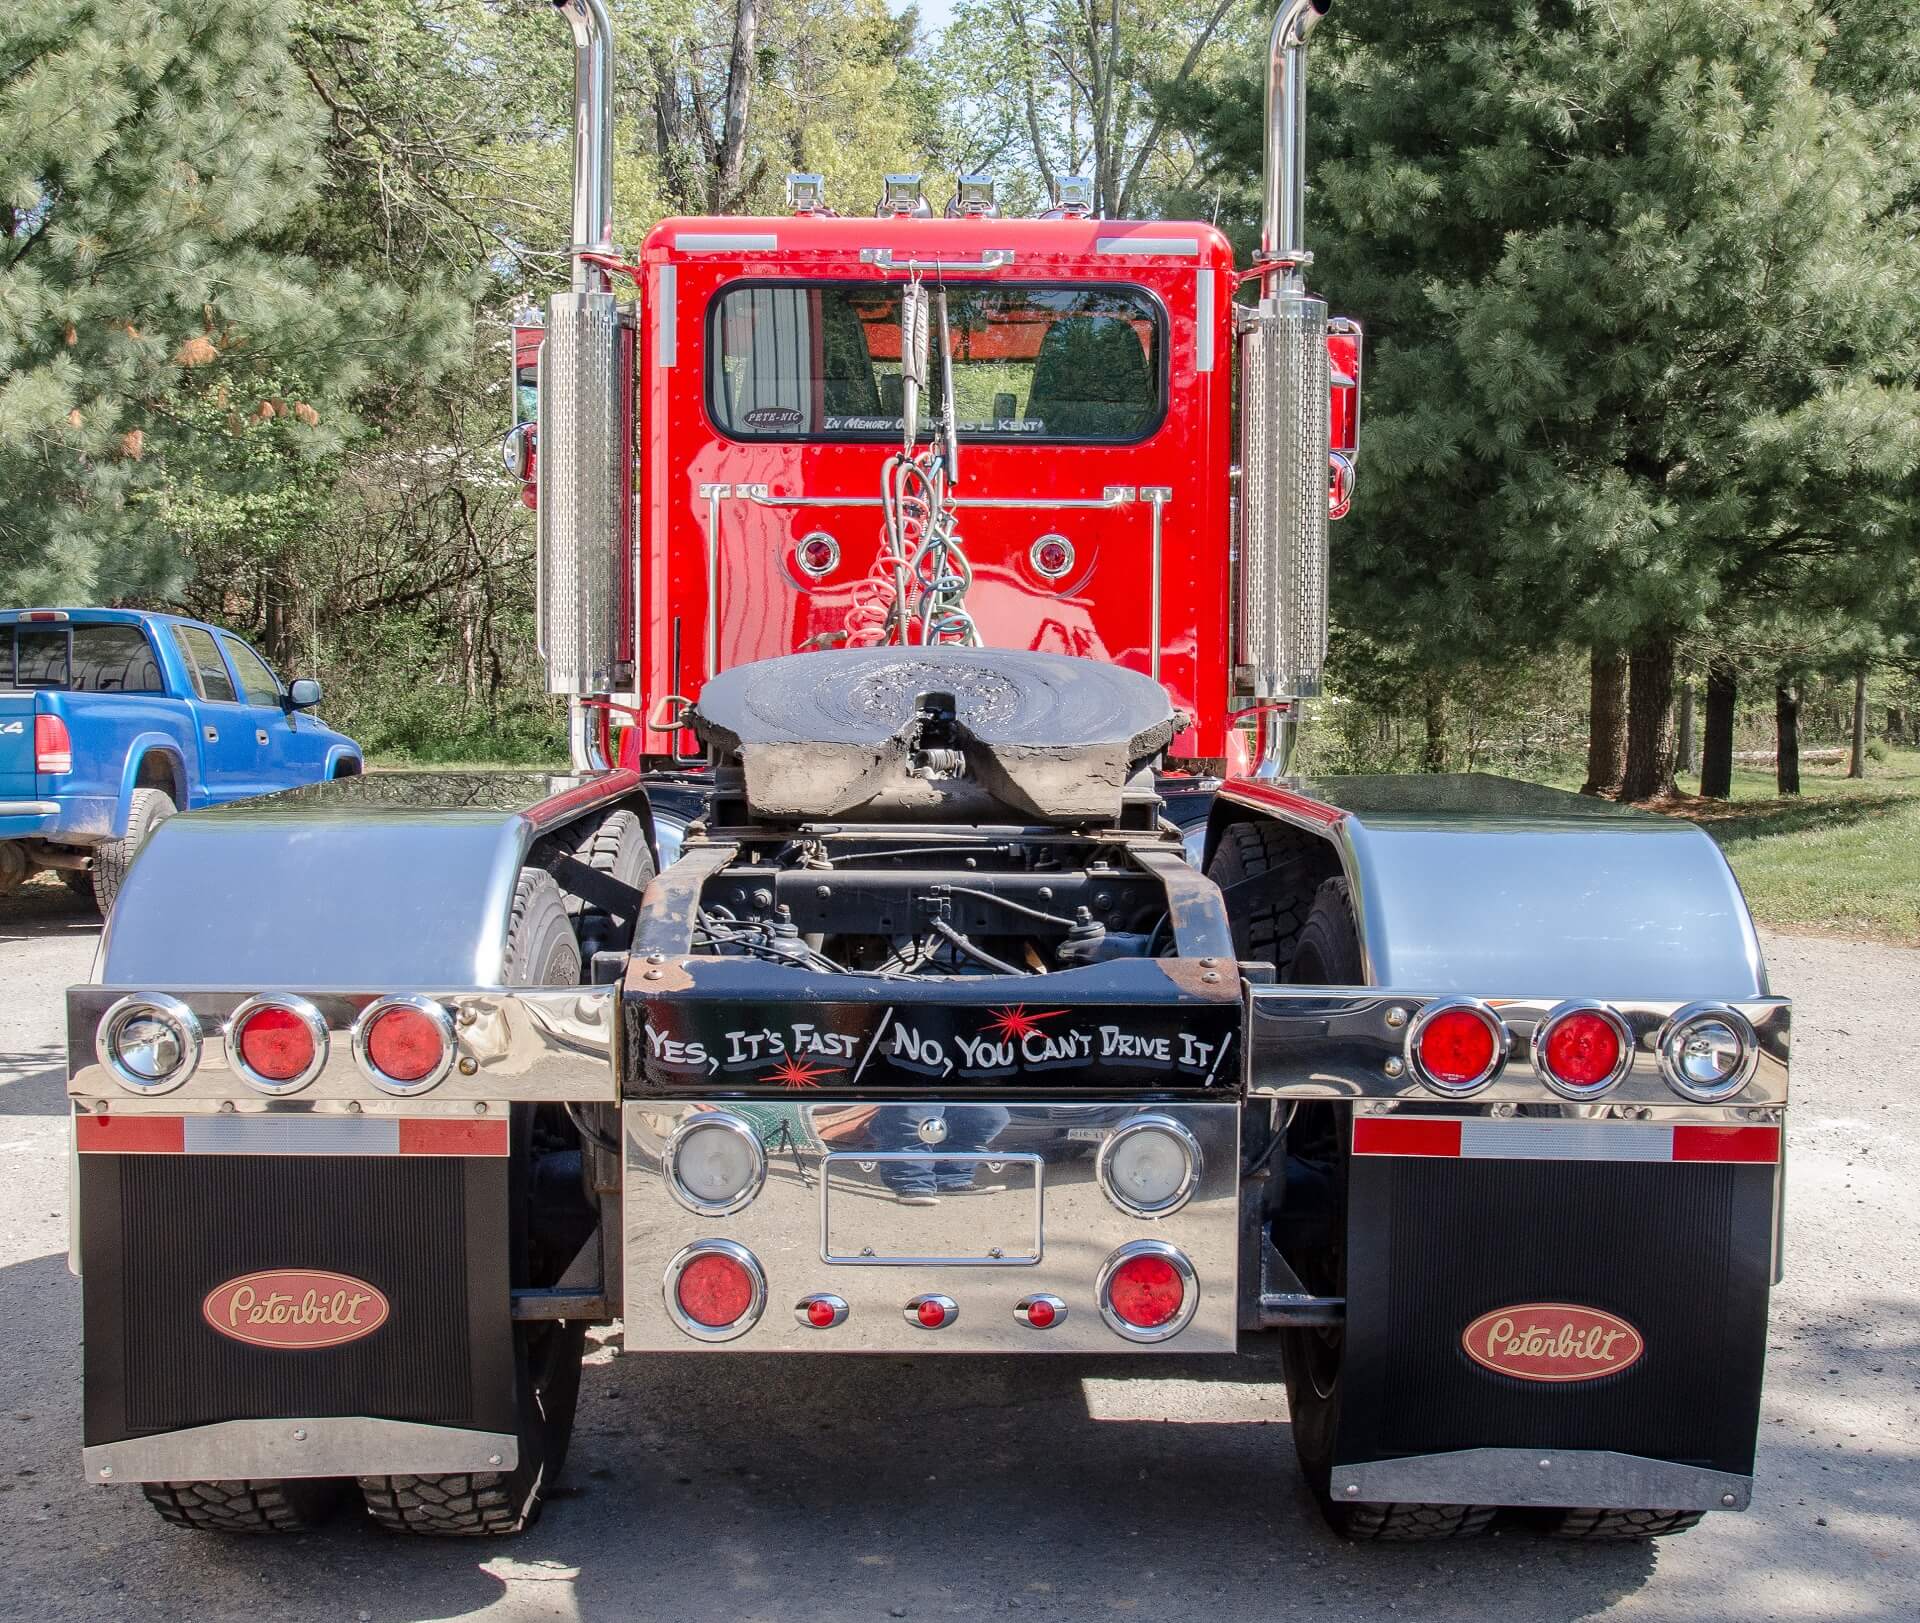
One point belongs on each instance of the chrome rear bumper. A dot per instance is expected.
(987, 1205)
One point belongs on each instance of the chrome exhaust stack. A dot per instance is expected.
(1282, 595)
(582, 425)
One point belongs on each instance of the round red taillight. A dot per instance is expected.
(1457, 1047)
(1145, 1291)
(404, 1044)
(714, 1290)
(1040, 1313)
(1582, 1051)
(276, 1043)
(817, 554)
(821, 1314)
(931, 1314)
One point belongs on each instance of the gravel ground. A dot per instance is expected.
(716, 1488)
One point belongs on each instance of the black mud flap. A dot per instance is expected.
(249, 1287)
(1554, 1305)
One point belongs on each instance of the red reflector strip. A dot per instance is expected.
(1405, 1135)
(1692, 1142)
(272, 1134)
(1482, 1138)
(130, 1135)
(440, 1135)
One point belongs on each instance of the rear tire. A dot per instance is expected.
(603, 866)
(148, 809)
(280, 1505)
(1271, 870)
(1327, 953)
(541, 951)
(1617, 1526)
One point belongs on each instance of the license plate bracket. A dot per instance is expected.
(873, 1214)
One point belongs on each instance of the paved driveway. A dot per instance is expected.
(721, 1488)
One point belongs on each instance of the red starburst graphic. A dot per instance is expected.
(794, 1073)
(1016, 1022)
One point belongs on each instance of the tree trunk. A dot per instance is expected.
(1896, 725)
(1686, 766)
(1434, 754)
(1606, 723)
(1786, 722)
(1857, 765)
(1649, 721)
(1716, 751)
(731, 159)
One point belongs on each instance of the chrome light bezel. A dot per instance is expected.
(1673, 1033)
(719, 1120)
(300, 1009)
(1189, 1290)
(691, 1253)
(1150, 1121)
(837, 1303)
(1051, 539)
(170, 1012)
(363, 1030)
(1537, 1046)
(1502, 1046)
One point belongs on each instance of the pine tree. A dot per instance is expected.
(1642, 310)
(151, 154)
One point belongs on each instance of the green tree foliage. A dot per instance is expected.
(150, 156)
(1641, 298)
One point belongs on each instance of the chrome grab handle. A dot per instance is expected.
(990, 259)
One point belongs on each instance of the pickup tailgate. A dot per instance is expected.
(16, 744)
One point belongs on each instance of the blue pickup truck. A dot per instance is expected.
(112, 720)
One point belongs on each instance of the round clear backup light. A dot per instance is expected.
(149, 1044)
(1149, 1166)
(714, 1163)
(1707, 1052)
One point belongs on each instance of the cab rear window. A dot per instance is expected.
(82, 659)
(821, 361)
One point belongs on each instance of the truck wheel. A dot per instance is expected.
(1327, 953)
(607, 901)
(289, 1505)
(1276, 865)
(147, 811)
(541, 951)
(1617, 1526)
(80, 882)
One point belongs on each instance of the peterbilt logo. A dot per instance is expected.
(1552, 1341)
(295, 1308)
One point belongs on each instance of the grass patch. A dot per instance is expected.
(1841, 858)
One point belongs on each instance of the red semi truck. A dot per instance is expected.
(943, 958)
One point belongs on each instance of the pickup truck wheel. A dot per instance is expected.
(80, 882)
(147, 811)
(1327, 953)
(289, 1505)
(541, 951)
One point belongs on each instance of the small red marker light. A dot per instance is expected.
(1039, 1313)
(932, 1314)
(820, 1314)
(276, 1044)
